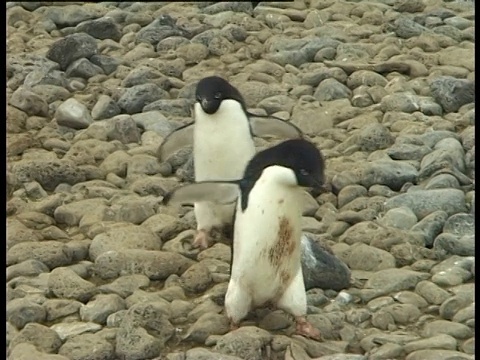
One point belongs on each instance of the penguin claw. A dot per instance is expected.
(201, 240)
(304, 328)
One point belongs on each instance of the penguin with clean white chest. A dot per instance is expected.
(266, 261)
(222, 135)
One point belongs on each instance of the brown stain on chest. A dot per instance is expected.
(284, 245)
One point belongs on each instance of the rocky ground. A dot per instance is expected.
(98, 269)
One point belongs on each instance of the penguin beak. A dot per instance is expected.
(208, 106)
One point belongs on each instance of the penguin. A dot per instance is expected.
(222, 134)
(266, 255)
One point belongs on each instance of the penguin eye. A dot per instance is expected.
(218, 95)
(304, 172)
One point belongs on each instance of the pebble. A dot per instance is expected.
(71, 48)
(73, 114)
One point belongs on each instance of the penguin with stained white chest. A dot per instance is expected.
(222, 135)
(266, 261)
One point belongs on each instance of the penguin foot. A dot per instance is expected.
(306, 329)
(201, 239)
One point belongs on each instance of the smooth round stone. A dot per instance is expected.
(451, 277)
(400, 218)
(460, 224)
(443, 181)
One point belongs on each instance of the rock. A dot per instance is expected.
(87, 346)
(453, 305)
(22, 311)
(29, 102)
(135, 98)
(126, 285)
(430, 226)
(460, 225)
(105, 108)
(321, 268)
(390, 280)
(43, 338)
(425, 202)
(205, 354)
(71, 329)
(159, 29)
(28, 267)
(196, 278)
(103, 28)
(206, 325)
(393, 174)
(58, 308)
(454, 245)
(71, 214)
(107, 63)
(25, 351)
(277, 103)
(72, 47)
(431, 292)
(123, 236)
(51, 253)
(73, 114)
(452, 93)
(156, 265)
(458, 331)
(331, 89)
(436, 355)
(98, 309)
(65, 283)
(408, 151)
(374, 137)
(364, 257)
(401, 218)
(248, 342)
(405, 28)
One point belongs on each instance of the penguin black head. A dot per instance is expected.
(212, 90)
(298, 155)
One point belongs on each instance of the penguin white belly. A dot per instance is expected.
(267, 252)
(222, 147)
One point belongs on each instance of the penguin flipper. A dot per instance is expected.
(221, 192)
(274, 127)
(177, 139)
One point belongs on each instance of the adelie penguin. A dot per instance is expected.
(222, 135)
(266, 256)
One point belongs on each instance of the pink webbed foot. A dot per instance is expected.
(306, 329)
(201, 239)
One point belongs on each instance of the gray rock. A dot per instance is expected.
(125, 130)
(88, 347)
(149, 344)
(430, 226)
(208, 324)
(25, 351)
(316, 76)
(103, 28)
(321, 268)
(436, 327)
(72, 47)
(431, 292)
(176, 42)
(51, 253)
(409, 103)
(196, 278)
(219, 46)
(255, 91)
(450, 244)
(65, 283)
(135, 98)
(51, 93)
(83, 68)
(71, 14)
(401, 218)
(221, 7)
(174, 107)
(125, 286)
(154, 121)
(365, 77)
(452, 93)
(28, 267)
(159, 29)
(277, 103)
(22, 311)
(42, 337)
(448, 153)
(73, 328)
(408, 151)
(405, 28)
(350, 193)
(98, 309)
(442, 341)
(29, 102)
(451, 277)
(205, 354)
(305, 115)
(145, 74)
(393, 174)
(374, 137)
(453, 305)
(438, 354)
(154, 264)
(59, 308)
(443, 181)
(425, 202)
(71, 214)
(452, 32)
(105, 108)
(107, 63)
(368, 258)
(49, 173)
(331, 89)
(246, 342)
(390, 280)
(45, 76)
(460, 225)
(73, 114)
